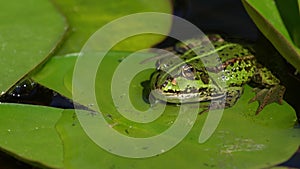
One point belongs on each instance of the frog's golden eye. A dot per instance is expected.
(181, 48)
(162, 64)
(188, 72)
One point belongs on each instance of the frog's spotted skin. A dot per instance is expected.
(190, 82)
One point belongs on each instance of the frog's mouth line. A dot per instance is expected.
(184, 97)
(189, 93)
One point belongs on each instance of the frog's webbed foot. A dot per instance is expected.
(267, 96)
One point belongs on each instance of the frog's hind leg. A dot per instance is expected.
(271, 90)
(264, 78)
(267, 96)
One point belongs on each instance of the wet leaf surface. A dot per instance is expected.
(86, 17)
(242, 139)
(27, 36)
(28, 133)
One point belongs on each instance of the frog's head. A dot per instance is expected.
(183, 76)
(185, 84)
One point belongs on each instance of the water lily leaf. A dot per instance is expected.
(229, 147)
(28, 133)
(28, 34)
(59, 81)
(86, 17)
(279, 21)
(242, 139)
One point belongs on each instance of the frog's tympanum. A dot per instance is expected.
(189, 74)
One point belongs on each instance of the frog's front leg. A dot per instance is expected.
(232, 96)
(270, 89)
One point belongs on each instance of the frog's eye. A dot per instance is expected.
(188, 72)
(157, 64)
(162, 64)
(181, 48)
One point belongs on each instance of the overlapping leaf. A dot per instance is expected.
(87, 17)
(28, 34)
(28, 133)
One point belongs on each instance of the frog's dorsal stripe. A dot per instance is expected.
(195, 58)
(222, 66)
(206, 54)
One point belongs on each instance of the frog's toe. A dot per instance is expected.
(267, 96)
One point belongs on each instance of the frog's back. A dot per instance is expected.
(238, 64)
(235, 64)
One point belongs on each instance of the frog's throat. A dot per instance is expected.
(180, 97)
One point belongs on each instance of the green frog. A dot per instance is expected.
(191, 72)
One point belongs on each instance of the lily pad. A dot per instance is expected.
(28, 133)
(242, 139)
(28, 34)
(229, 147)
(279, 21)
(86, 17)
(63, 65)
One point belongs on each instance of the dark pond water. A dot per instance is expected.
(218, 16)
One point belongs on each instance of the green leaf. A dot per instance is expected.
(86, 17)
(28, 133)
(290, 15)
(279, 21)
(242, 139)
(257, 142)
(28, 34)
(49, 76)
